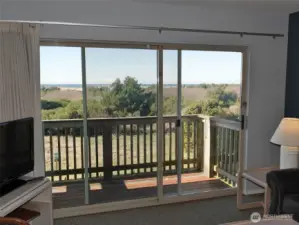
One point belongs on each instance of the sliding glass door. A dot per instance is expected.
(121, 100)
(133, 123)
(100, 123)
(170, 132)
(62, 113)
(201, 120)
(210, 107)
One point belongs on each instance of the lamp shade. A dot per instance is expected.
(287, 133)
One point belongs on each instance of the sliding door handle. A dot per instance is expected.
(242, 120)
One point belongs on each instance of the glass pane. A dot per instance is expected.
(121, 100)
(211, 87)
(61, 100)
(170, 73)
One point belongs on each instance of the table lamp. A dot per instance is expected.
(287, 135)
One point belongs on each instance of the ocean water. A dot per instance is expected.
(67, 85)
(98, 85)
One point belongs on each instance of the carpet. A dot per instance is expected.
(205, 212)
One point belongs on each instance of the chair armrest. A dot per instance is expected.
(12, 221)
(281, 182)
(286, 179)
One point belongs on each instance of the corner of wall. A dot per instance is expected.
(1, 10)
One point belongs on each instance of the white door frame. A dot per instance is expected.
(160, 136)
(242, 134)
(179, 124)
(160, 199)
(85, 127)
(160, 125)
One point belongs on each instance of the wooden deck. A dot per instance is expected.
(126, 147)
(72, 194)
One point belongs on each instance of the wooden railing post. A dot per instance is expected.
(207, 143)
(199, 132)
(107, 151)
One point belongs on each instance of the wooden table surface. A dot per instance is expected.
(258, 176)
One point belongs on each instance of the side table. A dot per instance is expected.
(258, 177)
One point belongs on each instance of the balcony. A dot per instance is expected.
(123, 157)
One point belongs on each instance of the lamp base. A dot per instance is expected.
(289, 157)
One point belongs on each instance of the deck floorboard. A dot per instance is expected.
(72, 194)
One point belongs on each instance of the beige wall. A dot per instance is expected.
(267, 59)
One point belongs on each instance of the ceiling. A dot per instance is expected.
(264, 5)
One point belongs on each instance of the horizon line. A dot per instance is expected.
(141, 83)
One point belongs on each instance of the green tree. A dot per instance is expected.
(210, 107)
(131, 96)
(95, 91)
(119, 100)
(74, 110)
(54, 114)
(45, 104)
(224, 97)
(170, 105)
(94, 109)
(109, 103)
(117, 86)
(204, 86)
(127, 99)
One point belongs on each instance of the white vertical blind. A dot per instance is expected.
(19, 66)
(20, 80)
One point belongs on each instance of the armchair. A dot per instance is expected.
(282, 183)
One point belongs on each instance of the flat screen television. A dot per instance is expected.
(16, 149)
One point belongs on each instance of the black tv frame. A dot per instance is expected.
(12, 182)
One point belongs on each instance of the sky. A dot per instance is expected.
(62, 65)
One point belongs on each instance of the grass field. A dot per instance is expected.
(189, 94)
(195, 94)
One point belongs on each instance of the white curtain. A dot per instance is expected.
(20, 80)
(19, 70)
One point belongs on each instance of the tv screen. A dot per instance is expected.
(16, 149)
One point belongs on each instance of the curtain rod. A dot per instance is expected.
(159, 29)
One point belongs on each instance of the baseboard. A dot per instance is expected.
(138, 203)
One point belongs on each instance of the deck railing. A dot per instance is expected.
(126, 147)
(224, 149)
(119, 147)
